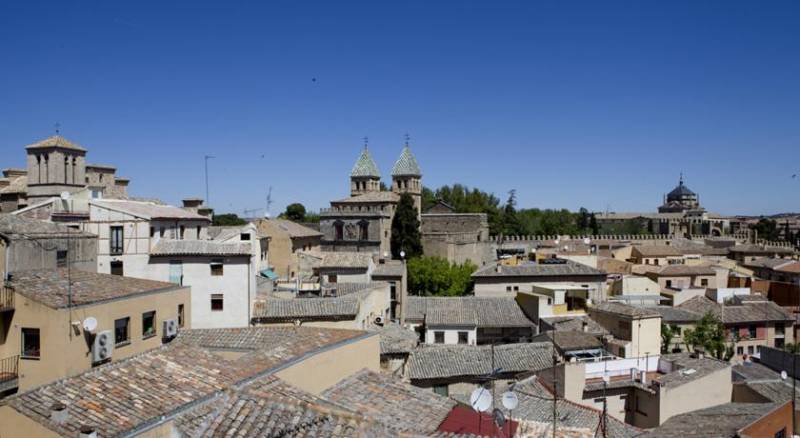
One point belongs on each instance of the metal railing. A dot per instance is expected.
(6, 298)
(9, 368)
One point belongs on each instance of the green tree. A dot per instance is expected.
(583, 219)
(511, 223)
(295, 212)
(436, 276)
(766, 228)
(405, 229)
(708, 334)
(593, 225)
(668, 332)
(227, 219)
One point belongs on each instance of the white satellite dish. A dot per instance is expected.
(480, 399)
(65, 196)
(510, 400)
(784, 375)
(587, 240)
(90, 324)
(556, 242)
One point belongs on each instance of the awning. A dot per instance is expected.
(268, 273)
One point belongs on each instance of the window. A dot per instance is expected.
(115, 240)
(122, 331)
(463, 337)
(182, 232)
(703, 282)
(508, 288)
(216, 267)
(61, 258)
(781, 433)
(655, 262)
(332, 278)
(363, 230)
(438, 337)
(750, 349)
(549, 301)
(180, 315)
(669, 283)
(31, 346)
(740, 351)
(152, 232)
(217, 303)
(516, 288)
(198, 231)
(161, 232)
(752, 332)
(116, 268)
(339, 229)
(244, 236)
(149, 324)
(441, 390)
(779, 329)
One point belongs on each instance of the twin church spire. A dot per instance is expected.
(406, 173)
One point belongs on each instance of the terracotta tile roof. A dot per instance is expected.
(15, 226)
(270, 407)
(148, 210)
(131, 395)
(443, 361)
(391, 401)
(670, 315)
(273, 310)
(570, 340)
(370, 197)
(51, 288)
(566, 269)
(792, 268)
(390, 268)
(656, 251)
(624, 310)
(684, 270)
(682, 362)
(721, 421)
(742, 312)
(573, 323)
(17, 184)
(55, 141)
(477, 311)
(168, 247)
(397, 340)
(760, 249)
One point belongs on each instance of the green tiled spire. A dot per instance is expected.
(406, 165)
(365, 166)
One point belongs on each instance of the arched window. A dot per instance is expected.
(339, 230)
(66, 169)
(363, 230)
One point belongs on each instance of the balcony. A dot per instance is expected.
(6, 299)
(9, 373)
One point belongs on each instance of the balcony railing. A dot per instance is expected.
(6, 298)
(9, 373)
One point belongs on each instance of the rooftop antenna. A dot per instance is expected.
(58, 128)
(269, 203)
(208, 200)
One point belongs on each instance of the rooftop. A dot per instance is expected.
(624, 310)
(760, 249)
(57, 288)
(406, 165)
(721, 421)
(566, 269)
(15, 226)
(397, 340)
(306, 309)
(570, 340)
(365, 166)
(293, 229)
(391, 401)
(480, 312)
(148, 210)
(55, 141)
(670, 315)
(443, 361)
(657, 251)
(574, 323)
(168, 247)
(750, 311)
(683, 362)
(172, 379)
(684, 270)
(382, 197)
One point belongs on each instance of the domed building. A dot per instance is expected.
(680, 200)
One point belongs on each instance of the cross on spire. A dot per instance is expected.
(407, 137)
(366, 141)
(681, 179)
(58, 128)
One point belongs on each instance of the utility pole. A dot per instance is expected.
(208, 201)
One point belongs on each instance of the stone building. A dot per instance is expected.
(680, 214)
(56, 165)
(457, 237)
(362, 222)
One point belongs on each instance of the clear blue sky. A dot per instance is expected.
(596, 104)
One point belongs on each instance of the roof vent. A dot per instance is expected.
(498, 268)
(87, 432)
(58, 412)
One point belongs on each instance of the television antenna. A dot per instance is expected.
(269, 203)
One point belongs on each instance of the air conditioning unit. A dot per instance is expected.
(103, 346)
(170, 328)
(379, 320)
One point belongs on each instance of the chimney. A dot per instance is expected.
(498, 268)
(644, 377)
(633, 374)
(58, 412)
(585, 326)
(192, 204)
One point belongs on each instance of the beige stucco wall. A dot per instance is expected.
(644, 334)
(712, 390)
(65, 352)
(319, 372)
(14, 424)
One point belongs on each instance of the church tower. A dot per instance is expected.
(364, 177)
(407, 177)
(55, 165)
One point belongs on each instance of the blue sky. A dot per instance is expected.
(596, 104)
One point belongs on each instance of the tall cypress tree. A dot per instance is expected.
(405, 229)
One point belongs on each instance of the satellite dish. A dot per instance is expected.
(90, 324)
(784, 375)
(556, 242)
(402, 254)
(65, 196)
(587, 240)
(480, 399)
(510, 400)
